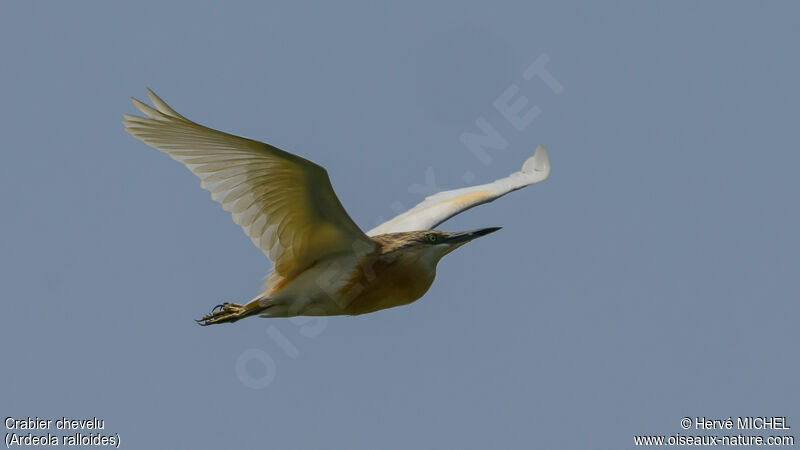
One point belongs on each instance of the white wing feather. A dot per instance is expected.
(284, 203)
(443, 205)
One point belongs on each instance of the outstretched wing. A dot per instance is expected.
(441, 206)
(285, 203)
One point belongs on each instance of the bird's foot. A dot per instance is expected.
(226, 312)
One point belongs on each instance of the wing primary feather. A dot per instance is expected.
(162, 105)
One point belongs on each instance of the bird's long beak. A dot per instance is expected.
(466, 236)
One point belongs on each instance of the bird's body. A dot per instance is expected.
(379, 279)
(323, 263)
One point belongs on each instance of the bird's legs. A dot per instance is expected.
(226, 312)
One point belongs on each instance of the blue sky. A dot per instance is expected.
(652, 277)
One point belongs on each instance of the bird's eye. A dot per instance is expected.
(432, 238)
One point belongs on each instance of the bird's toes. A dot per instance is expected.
(225, 312)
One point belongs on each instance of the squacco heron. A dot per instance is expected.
(323, 263)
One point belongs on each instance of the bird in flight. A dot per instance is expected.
(323, 263)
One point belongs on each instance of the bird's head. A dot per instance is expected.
(430, 245)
